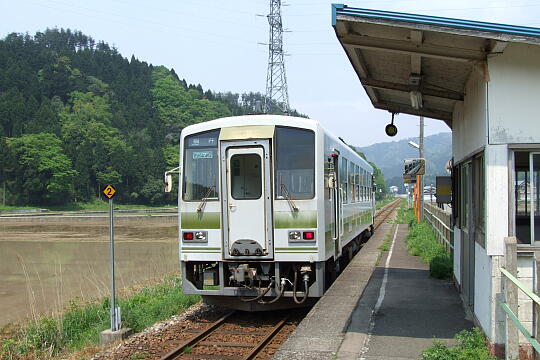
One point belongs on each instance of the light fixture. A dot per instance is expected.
(391, 129)
(414, 145)
(416, 99)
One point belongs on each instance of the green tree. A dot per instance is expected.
(99, 154)
(43, 173)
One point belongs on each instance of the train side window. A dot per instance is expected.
(201, 166)
(363, 186)
(357, 182)
(295, 162)
(352, 189)
(343, 178)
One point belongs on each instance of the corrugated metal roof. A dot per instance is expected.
(341, 9)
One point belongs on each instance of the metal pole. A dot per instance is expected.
(111, 242)
(421, 150)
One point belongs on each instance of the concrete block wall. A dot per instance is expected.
(526, 309)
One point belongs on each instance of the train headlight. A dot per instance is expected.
(295, 235)
(200, 235)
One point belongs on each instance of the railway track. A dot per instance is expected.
(238, 336)
(234, 336)
(382, 214)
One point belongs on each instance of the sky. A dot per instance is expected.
(221, 45)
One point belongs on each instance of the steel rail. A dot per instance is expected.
(384, 213)
(196, 338)
(266, 340)
(199, 339)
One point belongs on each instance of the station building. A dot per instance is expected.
(483, 80)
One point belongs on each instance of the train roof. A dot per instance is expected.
(246, 120)
(278, 120)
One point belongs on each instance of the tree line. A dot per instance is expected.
(75, 115)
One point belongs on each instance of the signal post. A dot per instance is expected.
(116, 332)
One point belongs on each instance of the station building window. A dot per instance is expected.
(201, 166)
(527, 196)
(469, 197)
(295, 162)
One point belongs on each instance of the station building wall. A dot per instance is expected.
(482, 287)
(501, 108)
(513, 88)
(470, 136)
(469, 130)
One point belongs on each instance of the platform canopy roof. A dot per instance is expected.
(417, 64)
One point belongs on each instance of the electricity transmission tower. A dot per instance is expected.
(277, 96)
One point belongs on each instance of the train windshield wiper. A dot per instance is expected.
(284, 191)
(205, 198)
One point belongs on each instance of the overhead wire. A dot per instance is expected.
(139, 21)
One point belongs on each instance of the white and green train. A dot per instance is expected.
(271, 208)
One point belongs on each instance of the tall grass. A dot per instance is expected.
(405, 215)
(421, 241)
(80, 324)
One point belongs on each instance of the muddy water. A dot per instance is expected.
(45, 264)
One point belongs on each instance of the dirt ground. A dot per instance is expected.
(45, 263)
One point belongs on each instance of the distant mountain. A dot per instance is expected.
(389, 156)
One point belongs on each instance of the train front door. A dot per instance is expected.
(246, 199)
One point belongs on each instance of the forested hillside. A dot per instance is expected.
(75, 115)
(389, 157)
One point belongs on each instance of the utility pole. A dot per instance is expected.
(421, 150)
(277, 95)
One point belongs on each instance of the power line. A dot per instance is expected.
(140, 21)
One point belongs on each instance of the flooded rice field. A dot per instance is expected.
(46, 262)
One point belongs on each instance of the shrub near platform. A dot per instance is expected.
(421, 241)
(471, 344)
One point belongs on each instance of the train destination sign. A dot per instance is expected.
(414, 166)
(109, 191)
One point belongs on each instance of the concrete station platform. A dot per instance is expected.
(390, 309)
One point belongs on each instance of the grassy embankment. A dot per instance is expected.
(79, 326)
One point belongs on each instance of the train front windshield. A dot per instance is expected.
(201, 166)
(295, 163)
(294, 166)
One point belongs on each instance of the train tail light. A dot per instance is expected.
(309, 235)
(187, 235)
